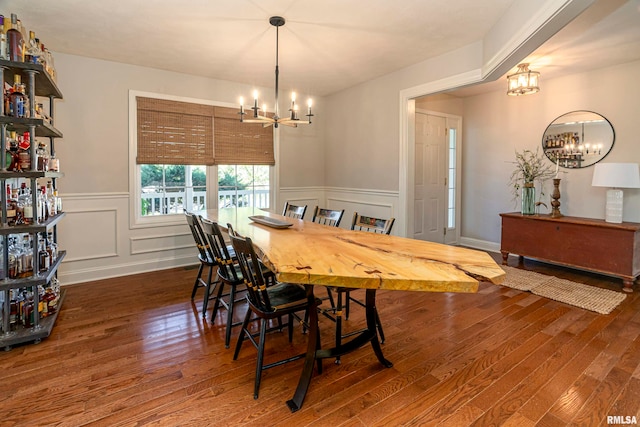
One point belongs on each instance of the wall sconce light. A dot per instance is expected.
(616, 176)
(523, 82)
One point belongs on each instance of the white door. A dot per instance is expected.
(430, 178)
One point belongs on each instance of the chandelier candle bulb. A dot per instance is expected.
(241, 105)
(309, 106)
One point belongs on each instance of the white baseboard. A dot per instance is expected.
(480, 244)
(118, 270)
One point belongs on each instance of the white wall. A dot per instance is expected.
(496, 125)
(93, 117)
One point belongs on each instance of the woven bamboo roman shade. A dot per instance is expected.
(238, 143)
(183, 133)
(174, 133)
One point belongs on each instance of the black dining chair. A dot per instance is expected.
(266, 303)
(206, 261)
(229, 274)
(344, 297)
(294, 211)
(330, 217)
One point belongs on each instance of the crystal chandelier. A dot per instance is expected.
(523, 82)
(292, 119)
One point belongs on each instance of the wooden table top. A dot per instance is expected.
(309, 253)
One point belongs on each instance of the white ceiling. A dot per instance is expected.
(606, 34)
(325, 46)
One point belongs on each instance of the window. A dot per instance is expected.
(176, 149)
(171, 189)
(451, 179)
(243, 186)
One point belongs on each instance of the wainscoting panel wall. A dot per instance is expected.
(375, 203)
(100, 244)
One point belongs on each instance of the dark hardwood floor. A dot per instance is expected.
(135, 351)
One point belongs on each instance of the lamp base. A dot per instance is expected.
(613, 210)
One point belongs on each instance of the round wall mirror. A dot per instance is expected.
(578, 139)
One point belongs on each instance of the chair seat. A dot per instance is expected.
(206, 260)
(225, 276)
(287, 296)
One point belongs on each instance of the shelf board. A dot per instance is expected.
(21, 124)
(45, 86)
(30, 174)
(24, 335)
(37, 280)
(31, 228)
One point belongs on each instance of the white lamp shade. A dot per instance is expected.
(616, 175)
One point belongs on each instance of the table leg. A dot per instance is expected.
(312, 346)
(314, 352)
(371, 326)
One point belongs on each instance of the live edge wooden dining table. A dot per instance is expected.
(312, 254)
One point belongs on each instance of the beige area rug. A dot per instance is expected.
(601, 301)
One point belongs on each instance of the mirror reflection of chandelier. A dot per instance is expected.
(292, 120)
(523, 82)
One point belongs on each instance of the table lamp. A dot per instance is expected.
(616, 176)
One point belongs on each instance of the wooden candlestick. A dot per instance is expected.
(555, 203)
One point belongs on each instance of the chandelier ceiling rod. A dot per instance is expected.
(277, 21)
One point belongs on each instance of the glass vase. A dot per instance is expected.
(528, 199)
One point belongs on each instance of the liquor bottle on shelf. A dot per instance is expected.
(12, 160)
(52, 205)
(43, 157)
(52, 248)
(18, 103)
(49, 66)
(11, 206)
(43, 255)
(24, 155)
(3, 40)
(3, 273)
(13, 259)
(58, 201)
(43, 213)
(15, 41)
(27, 255)
(24, 200)
(33, 52)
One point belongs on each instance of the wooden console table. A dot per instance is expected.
(583, 243)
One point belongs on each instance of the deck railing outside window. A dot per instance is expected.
(175, 202)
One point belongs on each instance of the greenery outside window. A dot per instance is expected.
(171, 189)
(243, 186)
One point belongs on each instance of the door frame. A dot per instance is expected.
(456, 239)
(408, 142)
